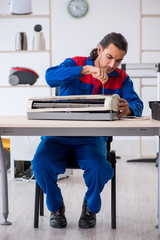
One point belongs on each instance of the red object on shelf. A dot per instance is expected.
(21, 75)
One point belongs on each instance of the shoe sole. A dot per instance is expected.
(58, 225)
(86, 225)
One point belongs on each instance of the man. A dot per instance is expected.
(96, 74)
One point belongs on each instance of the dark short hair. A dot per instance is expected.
(115, 38)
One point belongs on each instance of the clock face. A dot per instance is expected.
(77, 8)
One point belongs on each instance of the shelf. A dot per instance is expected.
(25, 86)
(150, 15)
(144, 85)
(24, 16)
(150, 50)
(24, 51)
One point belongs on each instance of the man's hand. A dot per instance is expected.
(123, 107)
(97, 73)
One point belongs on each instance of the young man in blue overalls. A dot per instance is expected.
(84, 76)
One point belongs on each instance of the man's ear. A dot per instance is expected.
(99, 50)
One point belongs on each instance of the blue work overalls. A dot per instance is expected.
(51, 159)
(91, 153)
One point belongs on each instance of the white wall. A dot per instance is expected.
(71, 37)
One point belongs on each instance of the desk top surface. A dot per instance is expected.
(23, 122)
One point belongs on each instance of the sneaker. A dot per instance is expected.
(87, 219)
(57, 218)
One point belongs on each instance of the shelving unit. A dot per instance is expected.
(154, 77)
(150, 16)
(28, 54)
(23, 148)
(145, 50)
(17, 104)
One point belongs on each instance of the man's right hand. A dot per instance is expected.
(97, 73)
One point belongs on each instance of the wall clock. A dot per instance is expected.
(77, 8)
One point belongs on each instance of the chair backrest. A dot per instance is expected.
(72, 163)
(57, 91)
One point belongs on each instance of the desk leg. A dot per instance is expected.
(4, 185)
(159, 189)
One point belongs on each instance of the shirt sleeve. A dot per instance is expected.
(64, 73)
(128, 93)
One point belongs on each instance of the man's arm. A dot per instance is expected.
(63, 73)
(132, 98)
(97, 73)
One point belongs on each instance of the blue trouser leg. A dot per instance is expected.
(51, 159)
(92, 158)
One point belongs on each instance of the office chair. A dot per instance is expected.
(72, 164)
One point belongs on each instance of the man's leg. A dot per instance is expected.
(49, 161)
(92, 158)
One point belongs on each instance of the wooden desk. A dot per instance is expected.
(20, 126)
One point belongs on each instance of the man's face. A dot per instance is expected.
(109, 58)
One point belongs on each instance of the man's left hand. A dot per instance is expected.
(123, 107)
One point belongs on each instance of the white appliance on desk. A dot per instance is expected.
(24, 148)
